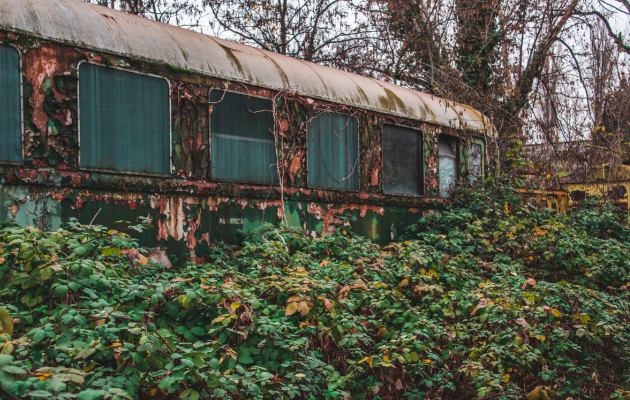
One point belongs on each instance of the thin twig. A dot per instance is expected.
(99, 210)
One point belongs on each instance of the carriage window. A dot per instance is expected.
(124, 121)
(333, 152)
(402, 160)
(243, 146)
(475, 157)
(447, 165)
(10, 105)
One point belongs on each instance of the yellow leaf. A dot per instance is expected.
(382, 332)
(100, 322)
(426, 361)
(291, 309)
(89, 366)
(235, 305)
(369, 360)
(1, 260)
(506, 378)
(556, 313)
(404, 282)
(294, 298)
(324, 263)
(328, 305)
(6, 322)
(415, 356)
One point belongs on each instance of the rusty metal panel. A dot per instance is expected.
(99, 28)
(402, 160)
(10, 109)
(124, 121)
(243, 146)
(333, 152)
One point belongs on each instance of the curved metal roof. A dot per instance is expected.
(94, 27)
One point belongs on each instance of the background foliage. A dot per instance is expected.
(489, 298)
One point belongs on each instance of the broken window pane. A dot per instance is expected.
(10, 105)
(475, 157)
(243, 146)
(447, 166)
(124, 121)
(333, 152)
(402, 160)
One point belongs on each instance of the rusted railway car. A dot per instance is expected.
(107, 116)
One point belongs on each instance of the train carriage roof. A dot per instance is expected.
(99, 28)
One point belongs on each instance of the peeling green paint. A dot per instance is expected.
(190, 211)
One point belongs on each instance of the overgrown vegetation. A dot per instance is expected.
(478, 300)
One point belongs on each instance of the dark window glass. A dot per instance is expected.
(447, 165)
(578, 195)
(124, 121)
(10, 105)
(402, 160)
(333, 152)
(243, 146)
(475, 158)
(616, 193)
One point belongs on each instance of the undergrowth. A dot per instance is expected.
(489, 298)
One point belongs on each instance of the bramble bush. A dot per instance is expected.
(489, 298)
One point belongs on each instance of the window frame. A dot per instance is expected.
(21, 84)
(309, 127)
(170, 122)
(458, 143)
(422, 182)
(481, 142)
(210, 174)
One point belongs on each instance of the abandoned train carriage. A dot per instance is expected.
(107, 116)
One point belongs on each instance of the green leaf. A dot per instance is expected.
(39, 335)
(166, 383)
(91, 394)
(80, 319)
(13, 369)
(46, 273)
(198, 361)
(61, 290)
(245, 360)
(56, 386)
(39, 393)
(197, 330)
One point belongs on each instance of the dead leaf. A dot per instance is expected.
(291, 309)
(399, 385)
(303, 308)
(522, 322)
(530, 281)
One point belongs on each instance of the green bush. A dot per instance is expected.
(477, 301)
